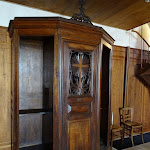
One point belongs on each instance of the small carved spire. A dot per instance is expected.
(81, 16)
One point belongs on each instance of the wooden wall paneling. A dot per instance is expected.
(138, 94)
(134, 87)
(146, 102)
(118, 62)
(146, 109)
(5, 90)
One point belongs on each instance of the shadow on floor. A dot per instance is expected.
(127, 141)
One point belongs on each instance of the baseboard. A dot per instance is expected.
(5, 147)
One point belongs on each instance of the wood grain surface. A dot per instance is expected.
(5, 90)
(124, 14)
(117, 81)
(138, 94)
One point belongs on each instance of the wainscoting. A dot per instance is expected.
(5, 93)
(138, 95)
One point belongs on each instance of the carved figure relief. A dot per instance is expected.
(80, 73)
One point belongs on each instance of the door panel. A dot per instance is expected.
(79, 134)
(81, 99)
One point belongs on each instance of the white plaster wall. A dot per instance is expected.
(122, 37)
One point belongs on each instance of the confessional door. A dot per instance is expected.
(81, 67)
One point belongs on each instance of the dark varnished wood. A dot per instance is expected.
(105, 94)
(44, 26)
(15, 101)
(75, 119)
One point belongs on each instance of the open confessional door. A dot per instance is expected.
(105, 97)
(34, 121)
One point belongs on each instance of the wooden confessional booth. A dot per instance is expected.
(56, 84)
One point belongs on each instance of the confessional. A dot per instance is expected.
(57, 72)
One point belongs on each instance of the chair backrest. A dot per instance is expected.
(125, 114)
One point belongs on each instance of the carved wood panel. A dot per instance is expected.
(80, 96)
(79, 73)
(79, 134)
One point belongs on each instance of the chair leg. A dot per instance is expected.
(111, 143)
(122, 135)
(132, 136)
(111, 139)
(142, 134)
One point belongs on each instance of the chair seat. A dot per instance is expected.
(133, 124)
(116, 128)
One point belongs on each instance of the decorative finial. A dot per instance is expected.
(81, 16)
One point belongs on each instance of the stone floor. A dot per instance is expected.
(102, 146)
(145, 146)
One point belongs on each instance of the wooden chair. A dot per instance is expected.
(129, 125)
(116, 132)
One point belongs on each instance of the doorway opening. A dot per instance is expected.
(105, 98)
(36, 69)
